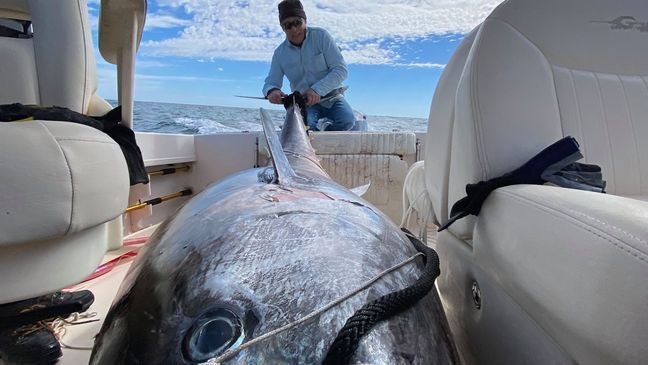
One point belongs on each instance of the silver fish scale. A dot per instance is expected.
(279, 254)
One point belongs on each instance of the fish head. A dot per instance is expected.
(221, 295)
(176, 316)
(213, 286)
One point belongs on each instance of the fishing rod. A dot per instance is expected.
(168, 171)
(325, 98)
(159, 200)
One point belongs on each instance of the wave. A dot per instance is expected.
(205, 119)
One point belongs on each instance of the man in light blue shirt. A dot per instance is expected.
(314, 65)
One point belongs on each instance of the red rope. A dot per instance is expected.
(135, 241)
(106, 267)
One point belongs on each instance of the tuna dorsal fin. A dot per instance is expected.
(282, 167)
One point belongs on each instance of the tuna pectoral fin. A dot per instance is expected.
(282, 167)
(361, 190)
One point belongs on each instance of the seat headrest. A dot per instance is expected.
(116, 26)
(14, 9)
(594, 35)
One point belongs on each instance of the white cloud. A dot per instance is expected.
(93, 17)
(182, 78)
(164, 21)
(107, 77)
(249, 29)
(419, 65)
(106, 73)
(151, 64)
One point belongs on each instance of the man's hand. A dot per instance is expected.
(275, 96)
(312, 97)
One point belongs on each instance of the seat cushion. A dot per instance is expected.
(525, 85)
(58, 178)
(439, 134)
(416, 197)
(576, 261)
(35, 268)
(639, 197)
(18, 70)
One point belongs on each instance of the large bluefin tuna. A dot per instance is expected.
(261, 249)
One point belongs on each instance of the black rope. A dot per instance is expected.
(385, 307)
(297, 98)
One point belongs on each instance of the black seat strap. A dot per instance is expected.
(555, 164)
(9, 32)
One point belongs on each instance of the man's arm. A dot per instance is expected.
(336, 65)
(275, 76)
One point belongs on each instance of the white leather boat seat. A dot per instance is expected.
(560, 271)
(63, 186)
(639, 197)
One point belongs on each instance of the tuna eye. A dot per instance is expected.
(212, 334)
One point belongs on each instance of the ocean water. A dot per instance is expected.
(205, 119)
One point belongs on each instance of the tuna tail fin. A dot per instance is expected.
(283, 170)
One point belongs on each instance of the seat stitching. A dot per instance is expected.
(85, 60)
(611, 226)
(474, 66)
(481, 151)
(580, 113)
(67, 163)
(632, 125)
(578, 223)
(643, 80)
(560, 105)
(605, 120)
(85, 140)
(623, 81)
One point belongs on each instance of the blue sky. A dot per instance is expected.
(207, 51)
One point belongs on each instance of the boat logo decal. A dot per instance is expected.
(625, 22)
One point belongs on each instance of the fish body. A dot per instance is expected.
(260, 249)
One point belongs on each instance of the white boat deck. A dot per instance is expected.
(77, 339)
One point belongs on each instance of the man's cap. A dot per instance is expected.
(289, 8)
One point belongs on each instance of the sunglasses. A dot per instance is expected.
(295, 23)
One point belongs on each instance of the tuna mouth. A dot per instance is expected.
(213, 333)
